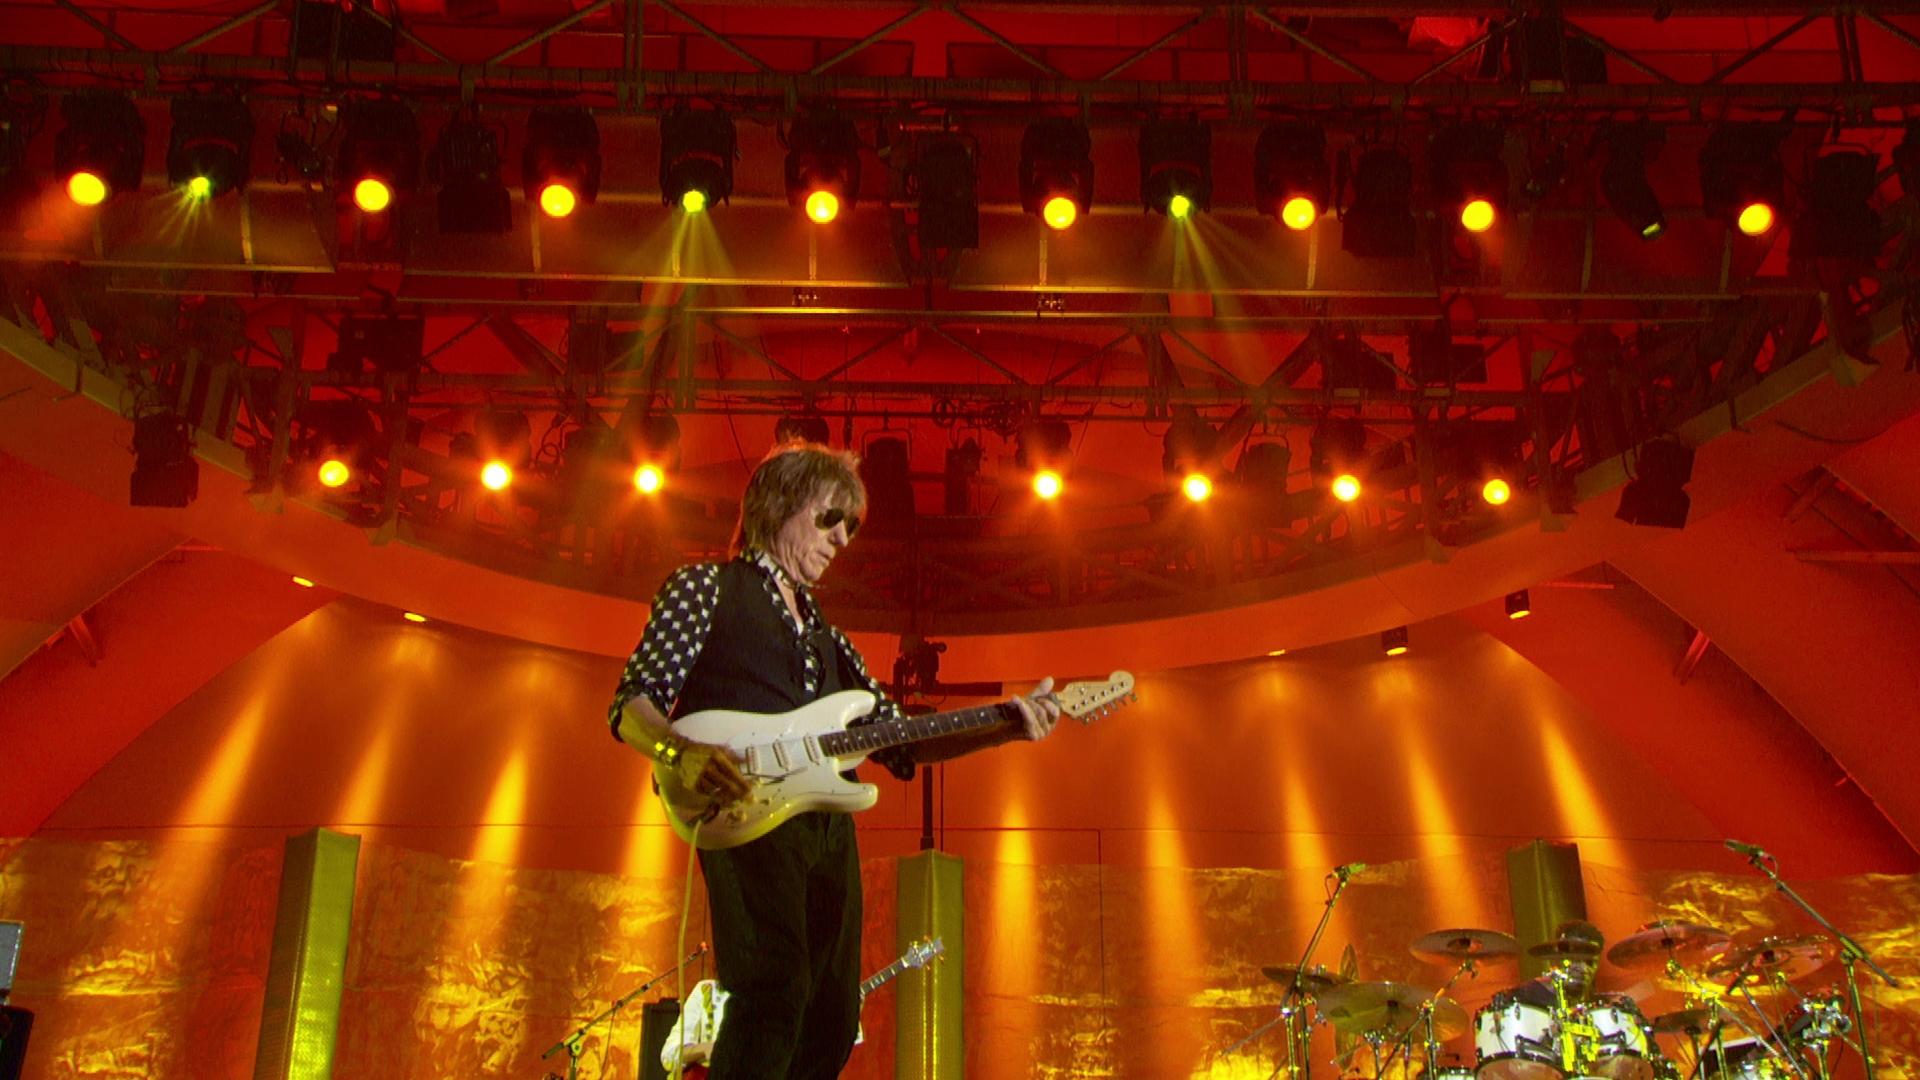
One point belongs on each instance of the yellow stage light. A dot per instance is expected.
(333, 472)
(1299, 213)
(1756, 218)
(1196, 487)
(1346, 487)
(1477, 215)
(496, 476)
(86, 189)
(1059, 212)
(1047, 484)
(823, 206)
(648, 479)
(372, 195)
(1496, 492)
(558, 200)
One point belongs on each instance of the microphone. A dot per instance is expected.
(1347, 870)
(1751, 851)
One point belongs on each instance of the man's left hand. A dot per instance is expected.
(1039, 710)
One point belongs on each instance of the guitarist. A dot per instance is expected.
(747, 635)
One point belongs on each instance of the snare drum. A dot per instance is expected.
(1626, 1049)
(1516, 1040)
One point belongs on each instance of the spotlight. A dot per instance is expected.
(164, 472)
(804, 427)
(653, 439)
(696, 159)
(823, 164)
(560, 166)
(379, 158)
(210, 149)
(1044, 447)
(1839, 221)
(1623, 180)
(1394, 642)
(496, 476)
(1741, 178)
(466, 162)
(1176, 169)
(1189, 444)
(949, 208)
(648, 478)
(101, 150)
(1470, 173)
(1379, 224)
(1337, 455)
(1656, 496)
(1496, 492)
(1290, 175)
(1056, 170)
(1518, 605)
(333, 472)
(413, 616)
(1196, 487)
(501, 440)
(305, 583)
(1275, 653)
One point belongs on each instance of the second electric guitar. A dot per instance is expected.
(794, 759)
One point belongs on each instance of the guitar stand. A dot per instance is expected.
(572, 1043)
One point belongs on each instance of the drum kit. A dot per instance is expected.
(1742, 1016)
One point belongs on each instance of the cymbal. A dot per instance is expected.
(1366, 1007)
(1314, 980)
(1651, 947)
(1453, 946)
(1565, 950)
(1791, 958)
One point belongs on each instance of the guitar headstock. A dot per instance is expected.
(1089, 701)
(921, 953)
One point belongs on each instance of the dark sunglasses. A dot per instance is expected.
(826, 519)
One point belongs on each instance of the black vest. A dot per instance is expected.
(751, 661)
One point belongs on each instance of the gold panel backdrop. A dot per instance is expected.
(147, 959)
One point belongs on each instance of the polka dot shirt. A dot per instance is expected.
(677, 630)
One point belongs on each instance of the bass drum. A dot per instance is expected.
(1516, 1040)
(1626, 1049)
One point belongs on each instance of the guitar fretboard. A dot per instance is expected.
(871, 737)
(883, 976)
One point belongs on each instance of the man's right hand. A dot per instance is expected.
(713, 771)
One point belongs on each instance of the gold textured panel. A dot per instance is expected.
(929, 1042)
(1543, 880)
(307, 974)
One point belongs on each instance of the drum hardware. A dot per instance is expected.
(1439, 1002)
(1308, 982)
(1296, 1017)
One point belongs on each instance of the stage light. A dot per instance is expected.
(413, 616)
(466, 163)
(1394, 642)
(302, 582)
(1624, 183)
(101, 150)
(696, 159)
(333, 473)
(648, 479)
(210, 148)
(1276, 652)
(496, 476)
(1196, 487)
(560, 164)
(1379, 224)
(823, 164)
(371, 195)
(1337, 455)
(164, 471)
(949, 209)
(1291, 178)
(1741, 178)
(1496, 492)
(1176, 168)
(1838, 221)
(1048, 484)
(1470, 173)
(1656, 496)
(1056, 170)
(1519, 606)
(379, 159)
(1346, 487)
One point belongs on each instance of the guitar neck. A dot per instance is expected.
(882, 977)
(866, 738)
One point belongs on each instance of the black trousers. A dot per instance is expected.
(786, 939)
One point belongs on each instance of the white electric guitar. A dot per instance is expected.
(794, 759)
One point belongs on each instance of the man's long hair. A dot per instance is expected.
(786, 480)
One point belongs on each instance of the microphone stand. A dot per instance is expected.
(571, 1044)
(1850, 954)
(1297, 1034)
